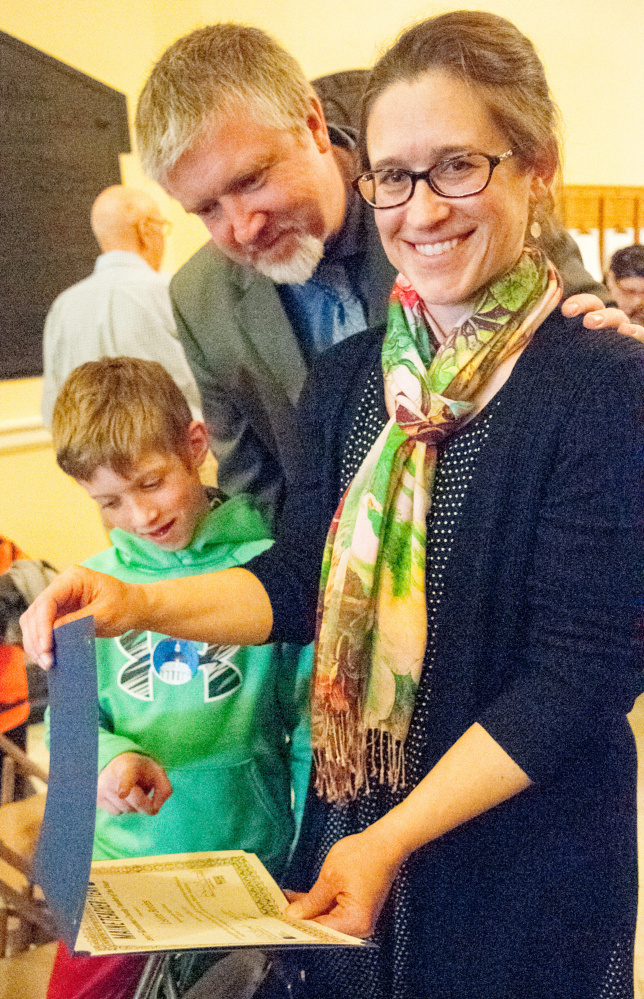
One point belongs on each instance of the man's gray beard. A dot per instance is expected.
(299, 267)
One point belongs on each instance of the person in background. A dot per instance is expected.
(625, 281)
(229, 126)
(196, 742)
(123, 307)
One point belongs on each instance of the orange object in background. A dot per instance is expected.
(14, 695)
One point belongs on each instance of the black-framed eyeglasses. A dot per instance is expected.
(456, 177)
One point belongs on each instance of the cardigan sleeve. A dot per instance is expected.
(582, 665)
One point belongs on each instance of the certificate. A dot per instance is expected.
(192, 901)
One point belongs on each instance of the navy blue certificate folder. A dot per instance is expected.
(64, 854)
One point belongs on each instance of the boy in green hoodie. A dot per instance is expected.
(196, 741)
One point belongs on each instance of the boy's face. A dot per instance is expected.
(162, 500)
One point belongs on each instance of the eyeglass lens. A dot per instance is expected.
(459, 176)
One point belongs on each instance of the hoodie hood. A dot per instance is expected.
(234, 531)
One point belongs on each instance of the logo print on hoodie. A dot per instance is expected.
(176, 661)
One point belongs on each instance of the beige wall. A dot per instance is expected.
(592, 50)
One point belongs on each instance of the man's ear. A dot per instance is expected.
(143, 231)
(198, 443)
(316, 123)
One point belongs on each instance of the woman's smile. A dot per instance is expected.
(438, 249)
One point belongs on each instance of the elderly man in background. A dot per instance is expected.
(229, 126)
(625, 281)
(123, 307)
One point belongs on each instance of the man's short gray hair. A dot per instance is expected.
(210, 74)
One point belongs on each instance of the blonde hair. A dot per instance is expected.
(113, 411)
(212, 73)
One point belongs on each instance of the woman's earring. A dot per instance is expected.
(535, 230)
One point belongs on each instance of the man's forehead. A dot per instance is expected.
(226, 151)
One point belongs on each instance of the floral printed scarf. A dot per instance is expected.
(372, 617)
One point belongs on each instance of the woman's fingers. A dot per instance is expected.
(75, 593)
(353, 885)
(319, 900)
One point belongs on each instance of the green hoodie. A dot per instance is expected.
(217, 718)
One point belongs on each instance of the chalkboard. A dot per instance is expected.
(61, 133)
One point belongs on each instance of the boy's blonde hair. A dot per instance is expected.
(113, 411)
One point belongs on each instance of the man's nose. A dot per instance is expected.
(425, 207)
(246, 224)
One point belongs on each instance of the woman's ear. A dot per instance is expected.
(543, 177)
(198, 443)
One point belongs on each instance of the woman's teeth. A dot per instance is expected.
(435, 249)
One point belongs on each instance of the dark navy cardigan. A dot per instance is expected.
(536, 641)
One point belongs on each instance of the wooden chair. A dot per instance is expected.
(24, 917)
(588, 207)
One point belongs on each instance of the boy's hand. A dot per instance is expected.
(76, 593)
(132, 783)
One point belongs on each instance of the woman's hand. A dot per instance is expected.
(76, 593)
(353, 884)
(132, 783)
(230, 607)
(474, 775)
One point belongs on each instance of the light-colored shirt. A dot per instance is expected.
(122, 309)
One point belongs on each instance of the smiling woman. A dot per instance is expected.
(448, 246)
(469, 806)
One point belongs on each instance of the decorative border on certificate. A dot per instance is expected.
(255, 887)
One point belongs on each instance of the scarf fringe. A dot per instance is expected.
(348, 754)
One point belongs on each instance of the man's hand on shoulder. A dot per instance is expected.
(597, 316)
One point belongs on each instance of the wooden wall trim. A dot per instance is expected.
(23, 434)
(587, 207)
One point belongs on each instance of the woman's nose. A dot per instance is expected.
(425, 207)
